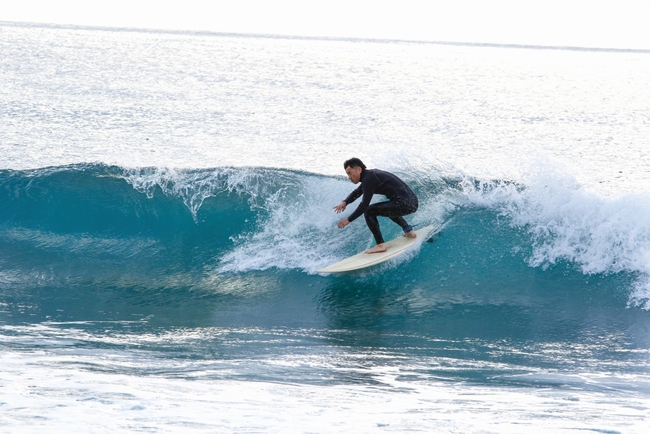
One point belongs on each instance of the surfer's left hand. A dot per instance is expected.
(343, 223)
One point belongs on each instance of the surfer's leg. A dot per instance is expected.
(401, 222)
(373, 225)
(407, 228)
(396, 212)
(406, 208)
(372, 222)
(392, 210)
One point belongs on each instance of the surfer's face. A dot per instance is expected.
(354, 173)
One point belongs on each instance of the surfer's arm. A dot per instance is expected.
(356, 194)
(363, 206)
(351, 198)
(368, 191)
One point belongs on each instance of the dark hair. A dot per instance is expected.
(354, 162)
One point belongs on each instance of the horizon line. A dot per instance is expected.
(321, 38)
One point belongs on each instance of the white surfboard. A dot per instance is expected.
(395, 247)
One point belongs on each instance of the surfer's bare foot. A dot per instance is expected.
(379, 248)
(411, 234)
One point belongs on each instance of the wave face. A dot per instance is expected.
(240, 246)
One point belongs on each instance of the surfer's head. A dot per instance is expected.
(353, 168)
(354, 162)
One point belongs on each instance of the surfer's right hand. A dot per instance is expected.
(340, 207)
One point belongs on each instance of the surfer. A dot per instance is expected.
(401, 200)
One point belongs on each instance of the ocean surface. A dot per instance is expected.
(166, 200)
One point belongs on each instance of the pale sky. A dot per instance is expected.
(577, 23)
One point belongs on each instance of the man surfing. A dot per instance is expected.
(401, 200)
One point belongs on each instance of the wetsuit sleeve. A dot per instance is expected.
(354, 195)
(368, 187)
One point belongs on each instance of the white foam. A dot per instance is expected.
(300, 231)
(569, 223)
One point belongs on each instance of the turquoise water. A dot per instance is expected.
(92, 254)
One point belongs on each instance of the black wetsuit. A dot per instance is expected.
(401, 200)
